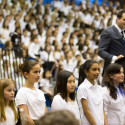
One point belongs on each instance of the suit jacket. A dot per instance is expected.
(111, 44)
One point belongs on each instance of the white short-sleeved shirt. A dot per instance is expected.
(94, 96)
(10, 120)
(115, 109)
(46, 84)
(69, 66)
(47, 57)
(33, 49)
(34, 99)
(5, 33)
(25, 40)
(59, 103)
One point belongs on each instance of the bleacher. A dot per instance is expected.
(82, 22)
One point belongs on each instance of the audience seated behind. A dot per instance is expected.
(68, 29)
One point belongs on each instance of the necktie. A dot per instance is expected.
(123, 32)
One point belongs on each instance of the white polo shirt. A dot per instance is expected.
(115, 109)
(94, 96)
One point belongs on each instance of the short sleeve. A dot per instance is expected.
(42, 82)
(20, 98)
(57, 103)
(81, 93)
(106, 99)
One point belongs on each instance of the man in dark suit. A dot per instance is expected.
(112, 41)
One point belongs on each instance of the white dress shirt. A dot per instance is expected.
(115, 109)
(94, 97)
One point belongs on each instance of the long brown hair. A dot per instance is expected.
(108, 81)
(3, 84)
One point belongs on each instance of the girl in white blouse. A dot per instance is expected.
(114, 94)
(90, 96)
(64, 92)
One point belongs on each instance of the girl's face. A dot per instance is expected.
(36, 40)
(32, 21)
(93, 72)
(48, 74)
(69, 54)
(57, 47)
(118, 77)
(48, 48)
(34, 74)
(25, 33)
(0, 52)
(71, 84)
(7, 23)
(9, 93)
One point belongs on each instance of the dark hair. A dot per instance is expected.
(5, 23)
(60, 117)
(27, 65)
(85, 66)
(7, 45)
(61, 85)
(120, 13)
(25, 30)
(113, 68)
(34, 37)
(80, 46)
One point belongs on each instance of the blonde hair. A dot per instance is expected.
(3, 84)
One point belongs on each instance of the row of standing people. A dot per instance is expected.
(98, 106)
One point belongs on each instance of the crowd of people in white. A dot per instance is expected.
(60, 32)
(52, 42)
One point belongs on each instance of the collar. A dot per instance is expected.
(118, 28)
(120, 90)
(89, 85)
